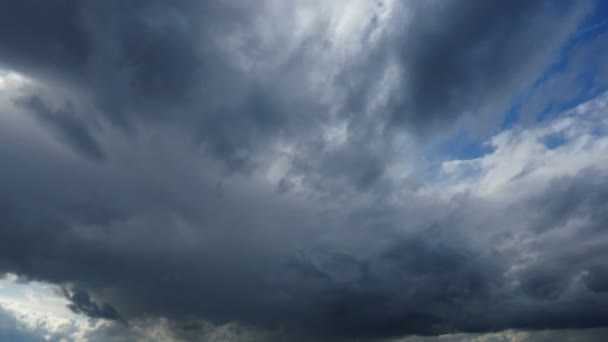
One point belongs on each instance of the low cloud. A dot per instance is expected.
(261, 166)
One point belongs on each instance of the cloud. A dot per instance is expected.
(260, 166)
(591, 335)
(462, 60)
(13, 330)
(231, 85)
(173, 248)
(67, 127)
(578, 74)
(81, 303)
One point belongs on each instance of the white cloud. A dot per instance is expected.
(39, 307)
(526, 159)
(10, 79)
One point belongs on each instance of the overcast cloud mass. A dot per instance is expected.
(304, 170)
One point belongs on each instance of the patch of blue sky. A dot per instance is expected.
(462, 145)
(577, 73)
(555, 140)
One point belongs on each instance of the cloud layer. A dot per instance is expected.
(266, 164)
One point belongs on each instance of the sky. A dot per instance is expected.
(305, 170)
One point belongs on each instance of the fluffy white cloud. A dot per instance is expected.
(527, 159)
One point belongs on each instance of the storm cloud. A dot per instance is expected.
(267, 165)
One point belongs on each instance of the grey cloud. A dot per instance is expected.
(44, 38)
(462, 60)
(149, 61)
(586, 335)
(366, 280)
(161, 62)
(64, 123)
(597, 278)
(457, 64)
(188, 90)
(470, 58)
(81, 303)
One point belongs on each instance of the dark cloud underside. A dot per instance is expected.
(172, 159)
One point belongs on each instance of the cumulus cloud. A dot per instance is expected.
(260, 165)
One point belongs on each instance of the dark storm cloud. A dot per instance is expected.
(81, 303)
(470, 58)
(173, 62)
(69, 128)
(597, 278)
(144, 61)
(461, 59)
(42, 37)
(148, 224)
